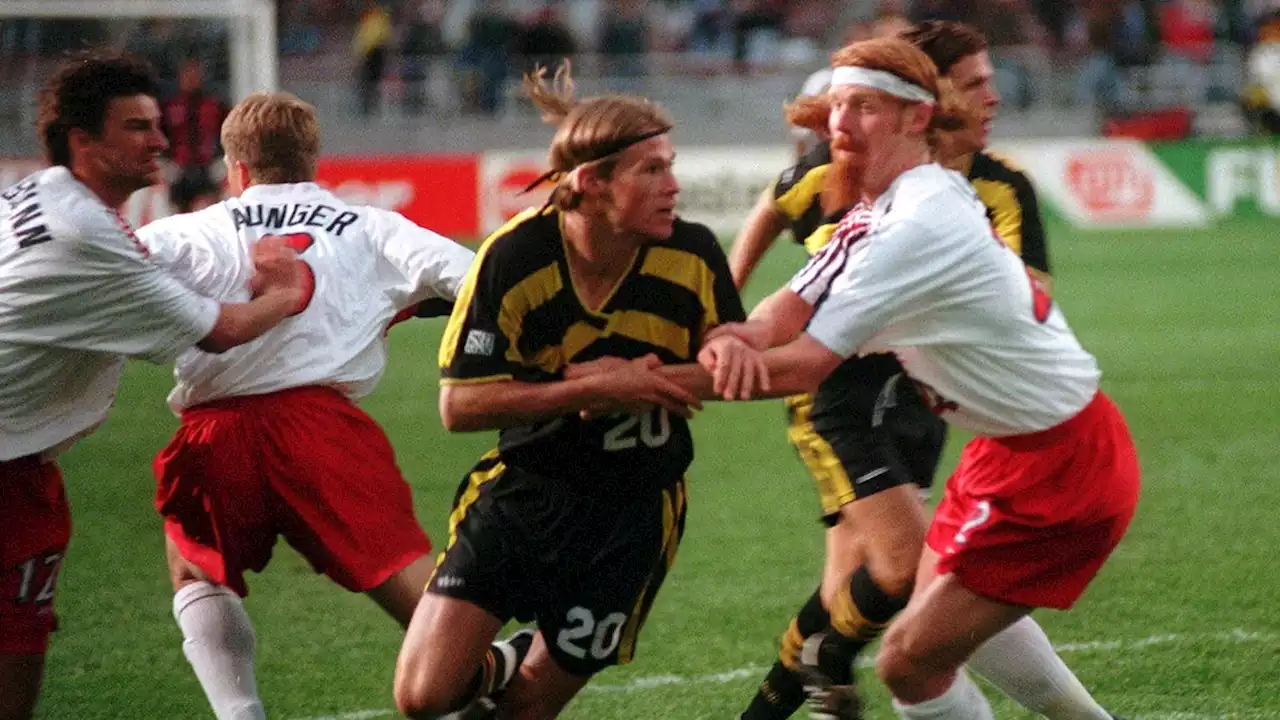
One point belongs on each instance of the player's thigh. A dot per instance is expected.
(343, 502)
(20, 677)
(400, 594)
(444, 645)
(891, 526)
(940, 628)
(596, 606)
(541, 688)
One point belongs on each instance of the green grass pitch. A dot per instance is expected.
(1181, 624)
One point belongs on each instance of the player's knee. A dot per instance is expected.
(896, 576)
(420, 692)
(899, 658)
(903, 661)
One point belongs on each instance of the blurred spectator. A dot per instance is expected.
(710, 26)
(193, 122)
(1099, 81)
(1261, 101)
(371, 45)
(1012, 30)
(485, 57)
(543, 40)
(757, 29)
(299, 27)
(422, 43)
(624, 40)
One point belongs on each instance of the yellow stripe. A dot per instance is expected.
(627, 647)
(689, 271)
(849, 621)
(577, 338)
(469, 496)
(531, 293)
(792, 642)
(1006, 212)
(834, 487)
(800, 196)
(652, 329)
(637, 325)
(475, 381)
(453, 330)
(819, 238)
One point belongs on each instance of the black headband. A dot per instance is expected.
(612, 148)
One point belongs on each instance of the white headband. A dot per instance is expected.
(880, 80)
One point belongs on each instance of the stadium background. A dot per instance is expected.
(1141, 123)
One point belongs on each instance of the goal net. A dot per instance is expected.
(234, 41)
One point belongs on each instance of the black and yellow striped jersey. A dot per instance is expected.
(518, 317)
(797, 194)
(1012, 207)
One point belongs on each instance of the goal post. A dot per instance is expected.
(253, 61)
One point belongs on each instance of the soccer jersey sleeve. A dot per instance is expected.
(728, 303)
(798, 187)
(881, 279)
(99, 291)
(478, 343)
(431, 265)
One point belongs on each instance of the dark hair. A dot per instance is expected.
(78, 93)
(946, 42)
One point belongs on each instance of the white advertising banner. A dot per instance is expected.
(1102, 183)
(718, 185)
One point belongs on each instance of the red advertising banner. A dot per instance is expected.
(436, 191)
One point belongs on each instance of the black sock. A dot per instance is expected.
(861, 612)
(782, 693)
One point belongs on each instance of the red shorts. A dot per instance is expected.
(305, 464)
(35, 526)
(1030, 519)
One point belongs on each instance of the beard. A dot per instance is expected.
(843, 187)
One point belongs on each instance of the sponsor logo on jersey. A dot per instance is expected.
(479, 342)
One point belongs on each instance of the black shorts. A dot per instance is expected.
(858, 447)
(585, 565)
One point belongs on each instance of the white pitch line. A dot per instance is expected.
(649, 682)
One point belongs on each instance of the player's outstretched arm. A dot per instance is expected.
(744, 373)
(277, 288)
(634, 388)
(762, 228)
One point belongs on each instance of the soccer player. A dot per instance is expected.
(272, 442)
(1047, 490)
(1021, 662)
(570, 522)
(78, 295)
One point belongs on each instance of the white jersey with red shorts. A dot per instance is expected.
(272, 443)
(78, 296)
(1044, 494)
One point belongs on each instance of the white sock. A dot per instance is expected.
(1022, 663)
(962, 701)
(218, 642)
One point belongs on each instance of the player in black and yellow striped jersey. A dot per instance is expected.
(574, 519)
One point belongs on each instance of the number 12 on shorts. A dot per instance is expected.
(38, 575)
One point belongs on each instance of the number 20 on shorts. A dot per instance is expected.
(604, 635)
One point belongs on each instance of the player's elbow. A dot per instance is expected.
(456, 412)
(215, 343)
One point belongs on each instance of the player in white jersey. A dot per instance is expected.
(1047, 490)
(78, 295)
(271, 442)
